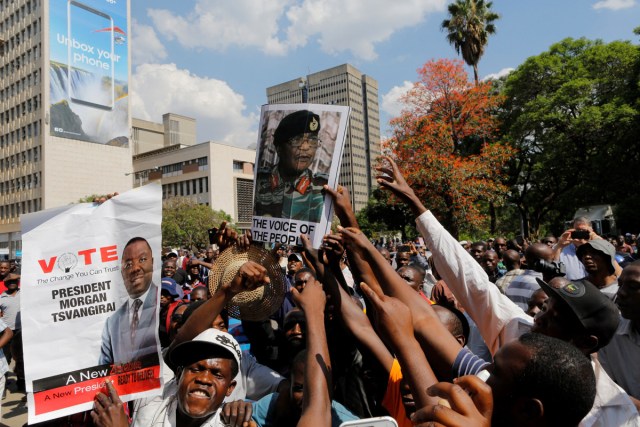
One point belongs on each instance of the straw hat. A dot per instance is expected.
(260, 303)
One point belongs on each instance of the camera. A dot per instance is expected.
(548, 269)
(580, 234)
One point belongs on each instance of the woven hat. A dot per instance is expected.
(260, 303)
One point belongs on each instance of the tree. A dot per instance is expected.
(445, 141)
(468, 29)
(185, 222)
(384, 216)
(572, 113)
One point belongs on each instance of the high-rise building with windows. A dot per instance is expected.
(344, 85)
(64, 106)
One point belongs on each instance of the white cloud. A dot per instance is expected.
(147, 47)
(218, 24)
(499, 74)
(277, 26)
(354, 26)
(614, 4)
(219, 111)
(391, 101)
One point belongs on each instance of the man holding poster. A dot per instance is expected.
(299, 152)
(130, 333)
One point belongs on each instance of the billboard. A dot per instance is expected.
(89, 71)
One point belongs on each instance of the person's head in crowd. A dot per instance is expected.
(294, 263)
(454, 321)
(301, 278)
(541, 381)
(500, 245)
(549, 240)
(598, 257)
(477, 250)
(281, 251)
(294, 327)
(193, 269)
(490, 242)
(5, 268)
(137, 267)
(169, 267)
(12, 283)
(620, 240)
(413, 275)
(199, 293)
(211, 254)
(515, 245)
(200, 391)
(511, 259)
(403, 257)
(628, 296)
(177, 321)
(221, 321)
(577, 312)
(581, 224)
(385, 254)
(170, 292)
(296, 141)
(490, 261)
(172, 254)
(536, 302)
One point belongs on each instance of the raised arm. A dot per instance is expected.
(434, 337)
(250, 276)
(498, 318)
(316, 409)
(394, 321)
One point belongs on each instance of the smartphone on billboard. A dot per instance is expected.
(90, 56)
(371, 422)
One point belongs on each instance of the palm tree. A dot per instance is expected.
(468, 29)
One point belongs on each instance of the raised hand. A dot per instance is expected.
(108, 411)
(250, 276)
(393, 317)
(470, 401)
(391, 178)
(342, 205)
(238, 414)
(312, 299)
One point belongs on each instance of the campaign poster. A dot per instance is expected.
(90, 302)
(299, 151)
(89, 70)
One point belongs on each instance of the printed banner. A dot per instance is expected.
(299, 151)
(89, 302)
(89, 70)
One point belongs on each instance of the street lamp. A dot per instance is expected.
(302, 84)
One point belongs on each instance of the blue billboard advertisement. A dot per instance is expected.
(89, 71)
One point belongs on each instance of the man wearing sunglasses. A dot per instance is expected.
(291, 189)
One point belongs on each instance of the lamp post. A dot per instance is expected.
(302, 84)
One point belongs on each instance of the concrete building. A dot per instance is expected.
(57, 144)
(213, 174)
(344, 85)
(174, 130)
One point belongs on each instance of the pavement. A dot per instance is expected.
(14, 405)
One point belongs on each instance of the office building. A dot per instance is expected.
(174, 130)
(212, 174)
(64, 107)
(344, 85)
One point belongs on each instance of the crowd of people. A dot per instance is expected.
(429, 332)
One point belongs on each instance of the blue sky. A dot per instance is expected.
(213, 59)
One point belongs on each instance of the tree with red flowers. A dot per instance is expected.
(446, 143)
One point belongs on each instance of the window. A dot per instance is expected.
(237, 166)
(244, 199)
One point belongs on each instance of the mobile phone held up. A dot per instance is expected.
(371, 422)
(580, 234)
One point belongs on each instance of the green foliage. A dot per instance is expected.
(572, 113)
(385, 216)
(468, 28)
(185, 223)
